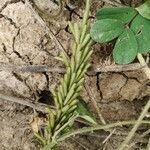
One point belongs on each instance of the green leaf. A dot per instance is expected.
(144, 9)
(106, 30)
(126, 47)
(141, 28)
(84, 112)
(124, 14)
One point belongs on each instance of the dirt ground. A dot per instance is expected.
(25, 40)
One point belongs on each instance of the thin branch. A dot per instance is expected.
(25, 102)
(36, 106)
(145, 133)
(30, 68)
(109, 136)
(118, 68)
(46, 68)
(132, 132)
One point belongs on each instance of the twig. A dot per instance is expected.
(137, 124)
(30, 68)
(118, 68)
(145, 133)
(25, 102)
(36, 106)
(47, 68)
(98, 127)
(109, 136)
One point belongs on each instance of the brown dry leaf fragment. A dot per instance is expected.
(36, 122)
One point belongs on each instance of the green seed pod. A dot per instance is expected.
(57, 127)
(58, 114)
(83, 71)
(63, 119)
(61, 91)
(74, 47)
(73, 103)
(78, 59)
(68, 76)
(87, 56)
(65, 59)
(78, 73)
(86, 40)
(60, 99)
(56, 102)
(80, 82)
(83, 33)
(85, 52)
(64, 109)
(72, 98)
(72, 79)
(72, 64)
(70, 93)
(71, 27)
(71, 109)
(79, 88)
(64, 85)
(76, 33)
(52, 120)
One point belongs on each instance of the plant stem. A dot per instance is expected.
(25, 101)
(98, 127)
(137, 124)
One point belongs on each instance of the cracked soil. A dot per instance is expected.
(24, 40)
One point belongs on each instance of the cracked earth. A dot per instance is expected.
(24, 40)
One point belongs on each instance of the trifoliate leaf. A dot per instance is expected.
(126, 47)
(106, 30)
(84, 112)
(144, 10)
(124, 14)
(141, 28)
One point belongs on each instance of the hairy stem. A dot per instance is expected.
(98, 127)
